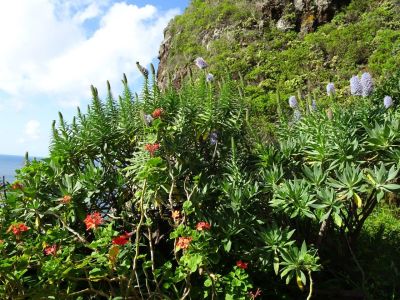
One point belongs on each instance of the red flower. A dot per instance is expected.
(203, 226)
(93, 220)
(50, 250)
(184, 242)
(152, 148)
(16, 186)
(122, 239)
(18, 228)
(157, 113)
(241, 264)
(66, 199)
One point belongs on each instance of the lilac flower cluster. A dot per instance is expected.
(330, 89)
(355, 86)
(367, 84)
(148, 119)
(296, 115)
(201, 63)
(362, 87)
(313, 105)
(387, 101)
(210, 77)
(213, 138)
(293, 102)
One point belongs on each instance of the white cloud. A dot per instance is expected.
(32, 131)
(45, 50)
(90, 12)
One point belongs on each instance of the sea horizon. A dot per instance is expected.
(8, 165)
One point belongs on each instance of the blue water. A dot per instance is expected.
(8, 165)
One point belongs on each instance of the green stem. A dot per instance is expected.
(137, 240)
(311, 285)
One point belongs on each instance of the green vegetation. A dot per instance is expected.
(175, 195)
(365, 35)
(224, 189)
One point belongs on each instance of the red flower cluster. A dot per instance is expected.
(18, 229)
(157, 113)
(184, 242)
(152, 148)
(66, 199)
(203, 226)
(93, 220)
(50, 250)
(241, 264)
(122, 239)
(16, 186)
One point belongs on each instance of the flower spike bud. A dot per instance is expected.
(201, 63)
(355, 86)
(314, 105)
(387, 101)
(293, 102)
(330, 89)
(296, 115)
(367, 84)
(142, 70)
(153, 70)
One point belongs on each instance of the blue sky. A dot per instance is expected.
(53, 50)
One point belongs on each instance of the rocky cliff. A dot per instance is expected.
(293, 44)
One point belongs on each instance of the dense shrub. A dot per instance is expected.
(175, 195)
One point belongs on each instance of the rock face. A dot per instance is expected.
(303, 16)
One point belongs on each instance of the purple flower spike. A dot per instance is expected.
(355, 86)
(367, 84)
(201, 63)
(148, 119)
(387, 101)
(296, 115)
(293, 102)
(314, 105)
(330, 89)
(210, 77)
(213, 138)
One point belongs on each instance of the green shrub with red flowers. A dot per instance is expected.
(174, 195)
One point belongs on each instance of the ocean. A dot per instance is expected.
(8, 165)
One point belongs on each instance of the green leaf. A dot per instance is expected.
(276, 264)
(228, 245)
(188, 207)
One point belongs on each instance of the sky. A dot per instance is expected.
(52, 51)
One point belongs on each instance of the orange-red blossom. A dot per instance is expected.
(93, 220)
(157, 113)
(184, 242)
(203, 226)
(152, 148)
(241, 264)
(66, 199)
(50, 250)
(18, 228)
(122, 239)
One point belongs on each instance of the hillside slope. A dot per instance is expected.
(291, 44)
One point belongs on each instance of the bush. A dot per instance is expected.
(175, 195)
